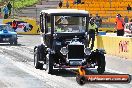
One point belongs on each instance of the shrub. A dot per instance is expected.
(23, 3)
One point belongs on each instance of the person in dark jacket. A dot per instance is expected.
(9, 6)
(60, 4)
(0, 14)
(128, 8)
(98, 20)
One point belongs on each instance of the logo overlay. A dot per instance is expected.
(112, 78)
(82, 78)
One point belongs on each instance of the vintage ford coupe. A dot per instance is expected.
(64, 35)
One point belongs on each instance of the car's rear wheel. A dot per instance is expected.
(101, 64)
(37, 64)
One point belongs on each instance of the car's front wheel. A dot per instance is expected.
(15, 42)
(101, 64)
(49, 64)
(81, 79)
(11, 43)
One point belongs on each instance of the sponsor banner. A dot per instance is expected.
(24, 26)
(115, 45)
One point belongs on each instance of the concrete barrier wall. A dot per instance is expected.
(24, 26)
(118, 46)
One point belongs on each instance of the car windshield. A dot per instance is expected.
(6, 27)
(70, 24)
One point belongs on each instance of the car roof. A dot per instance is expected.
(50, 11)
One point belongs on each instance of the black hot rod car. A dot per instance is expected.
(64, 41)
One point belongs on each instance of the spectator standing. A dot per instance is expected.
(9, 6)
(128, 8)
(60, 4)
(119, 25)
(75, 1)
(90, 16)
(6, 11)
(78, 1)
(0, 13)
(98, 20)
(126, 19)
(14, 25)
(67, 4)
(92, 31)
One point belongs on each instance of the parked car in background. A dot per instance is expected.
(7, 34)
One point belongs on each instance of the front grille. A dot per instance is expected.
(75, 51)
(5, 36)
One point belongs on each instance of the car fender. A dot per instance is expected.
(101, 50)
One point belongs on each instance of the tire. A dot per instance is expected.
(101, 64)
(37, 64)
(15, 42)
(11, 43)
(81, 80)
(49, 64)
